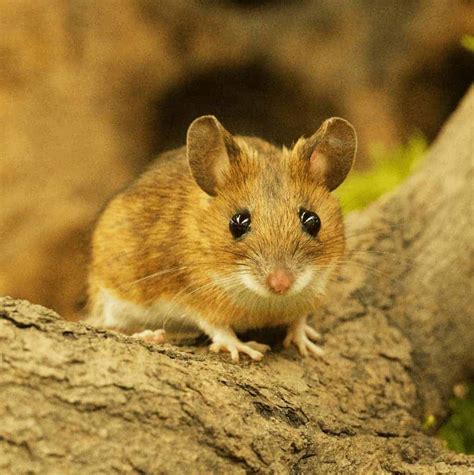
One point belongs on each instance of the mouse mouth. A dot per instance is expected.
(278, 283)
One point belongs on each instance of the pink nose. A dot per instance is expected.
(280, 281)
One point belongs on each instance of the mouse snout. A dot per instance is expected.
(280, 280)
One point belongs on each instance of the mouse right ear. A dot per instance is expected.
(210, 151)
(331, 151)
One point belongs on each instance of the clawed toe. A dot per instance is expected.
(252, 349)
(222, 348)
(314, 349)
(260, 347)
(312, 334)
(225, 340)
(288, 340)
(301, 336)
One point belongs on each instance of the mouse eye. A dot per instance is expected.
(310, 222)
(240, 224)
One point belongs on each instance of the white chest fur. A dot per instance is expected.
(122, 314)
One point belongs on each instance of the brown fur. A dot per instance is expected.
(165, 223)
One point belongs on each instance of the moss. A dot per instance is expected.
(389, 168)
(458, 432)
(468, 42)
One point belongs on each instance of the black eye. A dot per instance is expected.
(310, 222)
(240, 224)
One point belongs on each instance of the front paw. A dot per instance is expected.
(233, 346)
(150, 336)
(301, 335)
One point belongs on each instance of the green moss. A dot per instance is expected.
(389, 167)
(458, 431)
(468, 42)
(429, 423)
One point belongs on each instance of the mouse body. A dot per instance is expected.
(228, 234)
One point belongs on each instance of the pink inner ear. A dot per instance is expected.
(318, 164)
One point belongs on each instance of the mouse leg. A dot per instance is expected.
(301, 334)
(225, 340)
(116, 314)
(150, 336)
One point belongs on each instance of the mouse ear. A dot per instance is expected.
(331, 151)
(210, 151)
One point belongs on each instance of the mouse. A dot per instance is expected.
(226, 234)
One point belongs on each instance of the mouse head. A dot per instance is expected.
(270, 225)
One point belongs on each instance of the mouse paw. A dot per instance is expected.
(261, 347)
(150, 336)
(232, 345)
(235, 348)
(301, 335)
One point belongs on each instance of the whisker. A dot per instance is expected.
(156, 274)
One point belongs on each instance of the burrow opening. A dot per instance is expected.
(248, 100)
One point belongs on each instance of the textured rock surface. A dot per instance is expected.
(398, 331)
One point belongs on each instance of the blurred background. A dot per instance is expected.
(92, 90)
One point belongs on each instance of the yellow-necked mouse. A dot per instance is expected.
(228, 233)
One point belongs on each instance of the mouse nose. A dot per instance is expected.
(280, 281)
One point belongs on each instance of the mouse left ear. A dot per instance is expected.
(210, 150)
(331, 151)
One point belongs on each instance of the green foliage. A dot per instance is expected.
(429, 423)
(468, 42)
(458, 431)
(389, 167)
